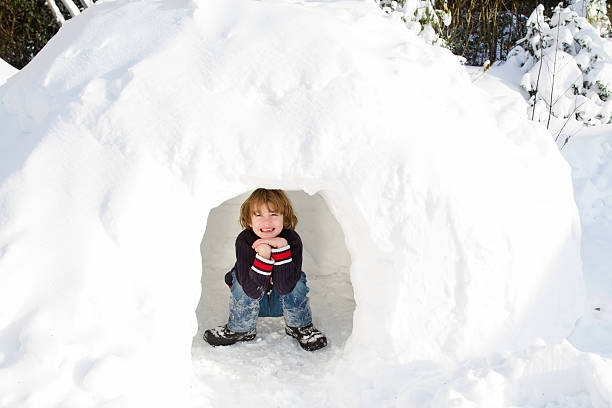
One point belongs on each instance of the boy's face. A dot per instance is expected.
(265, 222)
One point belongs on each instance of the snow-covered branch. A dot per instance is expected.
(69, 6)
(57, 14)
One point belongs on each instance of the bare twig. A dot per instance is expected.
(552, 87)
(535, 95)
(481, 74)
(567, 120)
(569, 137)
(569, 87)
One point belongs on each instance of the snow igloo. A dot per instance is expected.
(140, 117)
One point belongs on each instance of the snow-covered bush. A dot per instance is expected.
(595, 11)
(421, 17)
(567, 65)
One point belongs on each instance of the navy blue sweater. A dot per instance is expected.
(253, 271)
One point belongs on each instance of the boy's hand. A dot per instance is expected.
(264, 250)
(276, 242)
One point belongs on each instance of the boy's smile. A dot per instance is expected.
(265, 222)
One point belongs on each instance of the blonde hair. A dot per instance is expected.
(275, 200)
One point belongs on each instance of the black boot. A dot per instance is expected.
(222, 336)
(309, 337)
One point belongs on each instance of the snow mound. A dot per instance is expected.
(6, 71)
(140, 117)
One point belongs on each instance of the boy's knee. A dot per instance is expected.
(301, 288)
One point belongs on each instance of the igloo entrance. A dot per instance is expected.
(326, 262)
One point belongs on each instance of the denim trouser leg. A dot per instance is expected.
(270, 305)
(295, 305)
(245, 310)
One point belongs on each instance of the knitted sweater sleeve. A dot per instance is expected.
(253, 270)
(287, 264)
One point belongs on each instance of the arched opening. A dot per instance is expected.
(326, 262)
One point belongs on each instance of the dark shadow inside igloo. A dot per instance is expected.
(326, 262)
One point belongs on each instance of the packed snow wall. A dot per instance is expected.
(139, 117)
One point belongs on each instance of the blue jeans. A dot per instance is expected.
(244, 310)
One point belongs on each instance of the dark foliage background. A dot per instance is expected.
(484, 30)
(25, 28)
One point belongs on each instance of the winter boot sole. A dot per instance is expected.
(216, 340)
(316, 345)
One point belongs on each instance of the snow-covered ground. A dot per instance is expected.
(6, 71)
(441, 233)
(589, 152)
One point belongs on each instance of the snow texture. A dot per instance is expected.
(6, 71)
(590, 154)
(558, 375)
(140, 117)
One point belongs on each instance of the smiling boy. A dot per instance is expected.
(267, 279)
